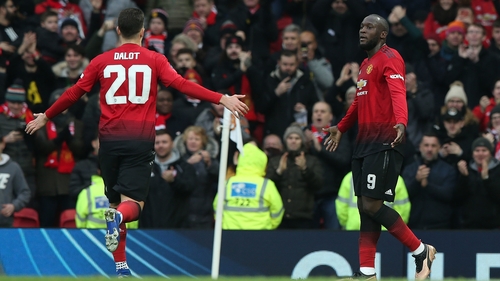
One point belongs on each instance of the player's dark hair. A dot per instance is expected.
(47, 14)
(185, 51)
(76, 48)
(130, 22)
(288, 53)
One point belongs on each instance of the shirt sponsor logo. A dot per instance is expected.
(397, 76)
(369, 69)
(361, 83)
(243, 189)
(362, 93)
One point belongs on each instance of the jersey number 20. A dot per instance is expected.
(129, 74)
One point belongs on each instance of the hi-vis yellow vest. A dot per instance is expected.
(347, 206)
(91, 204)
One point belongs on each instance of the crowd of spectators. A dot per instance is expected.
(296, 62)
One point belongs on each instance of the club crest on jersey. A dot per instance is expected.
(361, 83)
(369, 69)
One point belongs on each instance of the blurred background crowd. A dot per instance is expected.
(297, 62)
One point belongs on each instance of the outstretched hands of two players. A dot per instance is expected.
(39, 121)
(234, 104)
(332, 142)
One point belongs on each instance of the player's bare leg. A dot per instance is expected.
(116, 237)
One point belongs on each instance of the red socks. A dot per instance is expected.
(130, 211)
(401, 231)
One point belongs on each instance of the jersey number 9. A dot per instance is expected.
(129, 74)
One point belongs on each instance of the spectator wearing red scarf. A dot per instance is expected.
(155, 38)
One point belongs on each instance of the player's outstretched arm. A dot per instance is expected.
(234, 104)
(39, 121)
(333, 140)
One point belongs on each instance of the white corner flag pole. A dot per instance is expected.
(221, 191)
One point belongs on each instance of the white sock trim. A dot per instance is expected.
(121, 265)
(367, 270)
(419, 250)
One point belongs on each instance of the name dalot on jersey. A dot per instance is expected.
(126, 56)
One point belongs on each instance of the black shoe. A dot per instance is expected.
(423, 262)
(360, 276)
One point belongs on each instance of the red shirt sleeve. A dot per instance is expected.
(67, 99)
(394, 74)
(89, 76)
(170, 78)
(350, 117)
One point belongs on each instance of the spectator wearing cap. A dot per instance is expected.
(478, 188)
(14, 115)
(227, 29)
(155, 37)
(420, 100)
(457, 98)
(486, 104)
(455, 141)
(474, 65)
(70, 32)
(297, 175)
(255, 19)
(453, 38)
(239, 73)
(210, 19)
(195, 32)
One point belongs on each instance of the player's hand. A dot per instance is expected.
(462, 167)
(40, 121)
(234, 105)
(7, 210)
(400, 129)
(332, 142)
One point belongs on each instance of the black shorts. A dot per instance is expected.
(126, 168)
(376, 175)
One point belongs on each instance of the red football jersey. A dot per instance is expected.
(129, 77)
(380, 102)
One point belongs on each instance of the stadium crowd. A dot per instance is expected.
(297, 62)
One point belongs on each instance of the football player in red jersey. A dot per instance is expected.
(128, 76)
(382, 114)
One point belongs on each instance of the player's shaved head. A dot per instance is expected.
(130, 22)
(382, 24)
